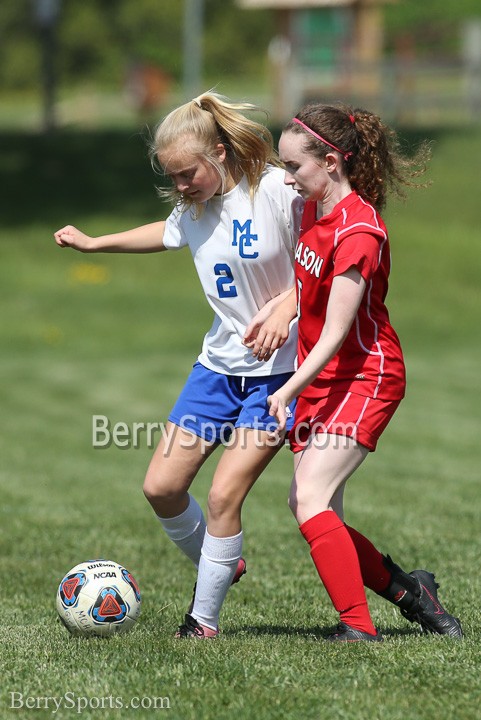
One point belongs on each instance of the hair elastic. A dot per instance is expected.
(352, 119)
(345, 155)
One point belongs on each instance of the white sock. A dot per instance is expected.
(187, 530)
(217, 567)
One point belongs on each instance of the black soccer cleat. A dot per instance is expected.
(192, 629)
(428, 611)
(346, 633)
(415, 594)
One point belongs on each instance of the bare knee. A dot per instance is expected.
(224, 507)
(303, 502)
(155, 490)
(169, 477)
(219, 502)
(166, 498)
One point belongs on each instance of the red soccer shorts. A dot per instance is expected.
(347, 414)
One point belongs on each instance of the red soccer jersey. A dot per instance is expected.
(370, 361)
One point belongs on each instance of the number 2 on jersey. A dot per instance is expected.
(225, 281)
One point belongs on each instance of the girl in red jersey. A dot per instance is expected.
(351, 372)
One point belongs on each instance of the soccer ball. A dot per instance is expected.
(98, 597)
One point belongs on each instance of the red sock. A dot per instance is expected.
(336, 561)
(374, 574)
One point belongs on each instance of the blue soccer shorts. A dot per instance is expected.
(212, 404)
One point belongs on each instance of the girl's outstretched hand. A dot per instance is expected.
(70, 236)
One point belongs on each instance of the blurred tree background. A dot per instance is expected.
(433, 24)
(98, 39)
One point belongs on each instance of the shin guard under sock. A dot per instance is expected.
(381, 574)
(218, 563)
(376, 576)
(336, 561)
(187, 530)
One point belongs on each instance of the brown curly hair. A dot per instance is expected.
(372, 157)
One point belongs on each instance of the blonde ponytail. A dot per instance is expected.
(204, 122)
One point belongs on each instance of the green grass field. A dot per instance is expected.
(116, 335)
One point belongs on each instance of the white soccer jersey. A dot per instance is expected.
(243, 251)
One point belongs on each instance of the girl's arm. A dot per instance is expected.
(144, 239)
(269, 328)
(344, 300)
